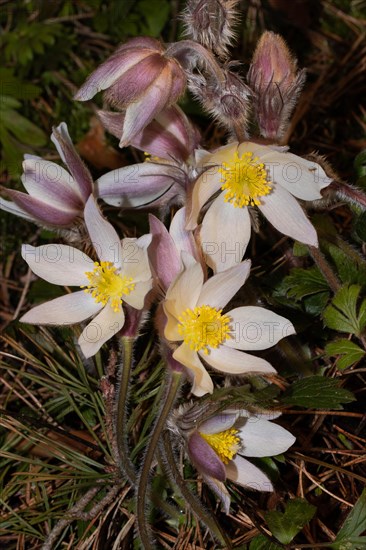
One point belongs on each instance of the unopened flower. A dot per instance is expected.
(139, 78)
(276, 83)
(170, 136)
(122, 274)
(55, 198)
(195, 321)
(249, 175)
(218, 443)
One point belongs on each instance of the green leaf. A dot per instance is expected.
(360, 226)
(286, 525)
(262, 543)
(351, 352)
(351, 270)
(304, 282)
(317, 392)
(355, 524)
(342, 313)
(155, 13)
(360, 164)
(23, 129)
(16, 88)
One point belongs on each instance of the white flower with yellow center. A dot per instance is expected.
(248, 174)
(219, 444)
(121, 275)
(195, 317)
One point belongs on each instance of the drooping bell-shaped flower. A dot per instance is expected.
(139, 78)
(55, 198)
(122, 274)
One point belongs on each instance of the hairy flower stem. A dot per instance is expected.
(325, 268)
(350, 194)
(143, 482)
(126, 466)
(195, 504)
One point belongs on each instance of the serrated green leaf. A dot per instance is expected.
(355, 524)
(351, 352)
(349, 270)
(286, 525)
(262, 543)
(317, 392)
(343, 315)
(304, 282)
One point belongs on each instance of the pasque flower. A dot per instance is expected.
(139, 78)
(248, 175)
(122, 274)
(218, 444)
(55, 198)
(196, 322)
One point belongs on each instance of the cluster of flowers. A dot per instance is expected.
(193, 269)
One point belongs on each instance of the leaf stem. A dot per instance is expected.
(325, 268)
(142, 488)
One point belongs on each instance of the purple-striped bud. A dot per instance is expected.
(140, 78)
(276, 83)
(55, 198)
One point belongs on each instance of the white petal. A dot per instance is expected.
(137, 297)
(218, 290)
(204, 188)
(135, 261)
(256, 328)
(202, 382)
(218, 423)
(255, 148)
(233, 361)
(261, 437)
(244, 473)
(58, 264)
(283, 211)
(302, 178)
(9, 206)
(218, 487)
(182, 238)
(66, 310)
(100, 329)
(225, 234)
(103, 236)
(183, 293)
(171, 328)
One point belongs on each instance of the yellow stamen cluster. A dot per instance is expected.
(226, 444)
(204, 327)
(245, 180)
(105, 284)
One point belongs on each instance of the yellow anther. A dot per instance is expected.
(105, 284)
(226, 444)
(204, 327)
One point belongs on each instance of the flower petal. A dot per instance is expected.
(261, 437)
(220, 288)
(58, 264)
(137, 297)
(205, 187)
(103, 236)
(225, 234)
(184, 292)
(66, 310)
(218, 423)
(202, 382)
(134, 261)
(100, 329)
(163, 253)
(233, 361)
(204, 457)
(182, 238)
(244, 473)
(218, 487)
(12, 208)
(43, 211)
(256, 328)
(283, 211)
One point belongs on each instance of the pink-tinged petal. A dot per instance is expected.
(174, 121)
(185, 290)
(204, 458)
(82, 182)
(42, 211)
(244, 473)
(139, 184)
(66, 310)
(179, 81)
(136, 80)
(109, 71)
(50, 183)
(218, 487)
(105, 325)
(220, 288)
(134, 261)
(137, 297)
(283, 211)
(256, 328)
(260, 437)
(142, 111)
(58, 264)
(302, 178)
(225, 234)
(205, 187)
(183, 239)
(201, 380)
(103, 236)
(12, 208)
(163, 253)
(218, 423)
(232, 361)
